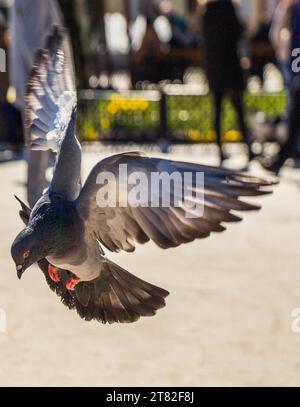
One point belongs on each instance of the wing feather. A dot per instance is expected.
(51, 105)
(120, 228)
(51, 96)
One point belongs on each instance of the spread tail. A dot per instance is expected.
(118, 296)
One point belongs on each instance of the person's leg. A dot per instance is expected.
(14, 127)
(286, 71)
(218, 98)
(37, 164)
(236, 97)
(2, 122)
(290, 148)
(36, 181)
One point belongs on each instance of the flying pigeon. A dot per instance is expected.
(66, 230)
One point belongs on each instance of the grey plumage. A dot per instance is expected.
(66, 227)
(115, 296)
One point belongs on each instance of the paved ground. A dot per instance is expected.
(227, 321)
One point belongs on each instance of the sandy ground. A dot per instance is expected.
(227, 320)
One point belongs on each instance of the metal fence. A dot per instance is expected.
(146, 116)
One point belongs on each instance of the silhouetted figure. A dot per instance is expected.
(10, 118)
(222, 32)
(280, 36)
(182, 34)
(146, 61)
(31, 21)
(290, 148)
(4, 76)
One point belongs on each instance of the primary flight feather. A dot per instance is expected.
(66, 230)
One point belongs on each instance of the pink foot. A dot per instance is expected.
(53, 273)
(72, 283)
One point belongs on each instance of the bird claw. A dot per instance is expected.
(53, 273)
(72, 283)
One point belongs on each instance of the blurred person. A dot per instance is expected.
(222, 32)
(10, 117)
(280, 35)
(195, 26)
(262, 50)
(31, 22)
(147, 58)
(290, 148)
(3, 75)
(183, 35)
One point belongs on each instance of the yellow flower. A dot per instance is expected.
(112, 108)
(119, 103)
(195, 135)
(232, 136)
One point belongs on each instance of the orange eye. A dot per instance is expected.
(26, 254)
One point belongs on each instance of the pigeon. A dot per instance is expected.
(67, 231)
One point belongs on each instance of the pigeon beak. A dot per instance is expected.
(20, 271)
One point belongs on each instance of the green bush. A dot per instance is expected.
(190, 118)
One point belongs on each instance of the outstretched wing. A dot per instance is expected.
(51, 96)
(50, 113)
(120, 226)
(116, 296)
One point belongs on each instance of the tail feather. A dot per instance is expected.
(118, 296)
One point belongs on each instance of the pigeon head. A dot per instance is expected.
(26, 250)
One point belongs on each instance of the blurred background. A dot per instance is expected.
(148, 78)
(131, 92)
